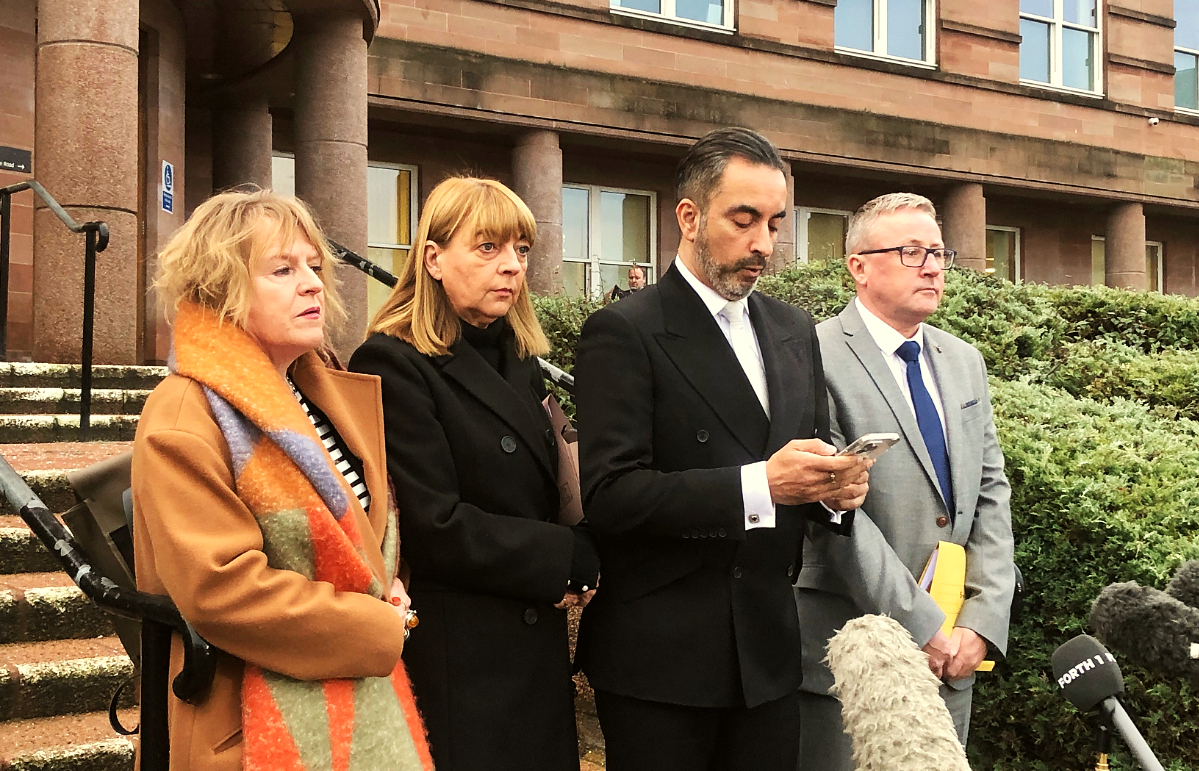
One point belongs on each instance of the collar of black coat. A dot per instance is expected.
(512, 399)
(695, 343)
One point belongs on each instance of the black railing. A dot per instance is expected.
(158, 616)
(96, 241)
(555, 375)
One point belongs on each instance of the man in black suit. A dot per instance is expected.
(703, 426)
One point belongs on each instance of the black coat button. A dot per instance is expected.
(790, 570)
(531, 616)
(508, 444)
(713, 533)
(736, 572)
(549, 436)
(702, 436)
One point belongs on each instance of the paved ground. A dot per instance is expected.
(60, 455)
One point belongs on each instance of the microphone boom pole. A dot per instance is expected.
(1136, 744)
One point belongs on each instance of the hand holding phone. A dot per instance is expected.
(871, 445)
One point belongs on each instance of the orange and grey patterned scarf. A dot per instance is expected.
(302, 503)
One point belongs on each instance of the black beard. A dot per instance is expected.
(724, 278)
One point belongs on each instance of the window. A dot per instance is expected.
(1003, 252)
(1060, 43)
(390, 223)
(1154, 275)
(820, 234)
(605, 231)
(898, 29)
(698, 13)
(390, 215)
(1186, 54)
(1153, 266)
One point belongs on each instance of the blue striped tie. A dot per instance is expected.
(928, 420)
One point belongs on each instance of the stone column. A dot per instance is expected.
(330, 134)
(87, 151)
(784, 249)
(241, 146)
(1124, 250)
(537, 174)
(964, 225)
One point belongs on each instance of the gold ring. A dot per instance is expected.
(832, 477)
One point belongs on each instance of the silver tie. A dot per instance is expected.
(746, 350)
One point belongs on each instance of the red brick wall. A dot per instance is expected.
(18, 50)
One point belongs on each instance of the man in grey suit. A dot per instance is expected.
(887, 371)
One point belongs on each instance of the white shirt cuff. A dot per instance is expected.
(834, 516)
(755, 495)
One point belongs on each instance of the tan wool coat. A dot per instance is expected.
(198, 543)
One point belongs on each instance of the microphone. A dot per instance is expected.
(1150, 627)
(1184, 586)
(890, 703)
(1090, 677)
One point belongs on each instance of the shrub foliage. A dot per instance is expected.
(1096, 396)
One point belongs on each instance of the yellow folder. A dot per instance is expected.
(944, 578)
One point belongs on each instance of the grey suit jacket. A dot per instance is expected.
(877, 569)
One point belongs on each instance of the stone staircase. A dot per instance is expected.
(60, 661)
(40, 402)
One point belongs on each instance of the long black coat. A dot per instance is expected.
(692, 609)
(474, 465)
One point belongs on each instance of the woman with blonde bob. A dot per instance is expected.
(261, 506)
(474, 461)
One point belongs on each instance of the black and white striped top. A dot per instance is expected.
(349, 466)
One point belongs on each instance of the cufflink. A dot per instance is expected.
(754, 519)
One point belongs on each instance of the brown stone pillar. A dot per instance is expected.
(784, 249)
(1124, 252)
(537, 173)
(241, 146)
(964, 225)
(330, 133)
(86, 157)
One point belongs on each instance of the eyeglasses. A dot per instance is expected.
(916, 256)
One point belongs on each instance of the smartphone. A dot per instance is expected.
(870, 445)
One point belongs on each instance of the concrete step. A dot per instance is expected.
(50, 401)
(22, 552)
(61, 678)
(65, 428)
(67, 743)
(50, 613)
(35, 375)
(111, 755)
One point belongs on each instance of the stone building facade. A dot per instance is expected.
(1059, 138)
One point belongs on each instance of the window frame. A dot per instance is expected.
(801, 229)
(594, 263)
(413, 203)
(1056, 26)
(1160, 248)
(1017, 257)
(729, 28)
(1190, 52)
(880, 38)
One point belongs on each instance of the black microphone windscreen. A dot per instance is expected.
(890, 701)
(1086, 672)
(1184, 586)
(1150, 627)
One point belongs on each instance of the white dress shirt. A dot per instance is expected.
(888, 341)
(755, 488)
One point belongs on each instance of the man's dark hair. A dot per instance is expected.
(699, 173)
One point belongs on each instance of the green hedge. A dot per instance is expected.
(1096, 395)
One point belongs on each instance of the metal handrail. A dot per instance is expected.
(158, 615)
(96, 240)
(555, 375)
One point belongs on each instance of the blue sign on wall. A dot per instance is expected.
(168, 187)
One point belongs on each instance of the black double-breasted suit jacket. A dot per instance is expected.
(474, 463)
(692, 608)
